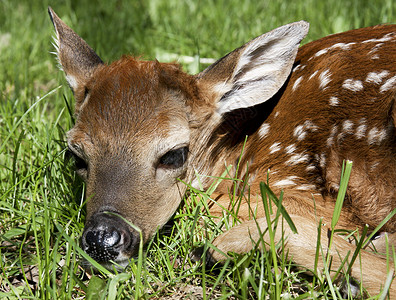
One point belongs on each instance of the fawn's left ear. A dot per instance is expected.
(253, 73)
(75, 56)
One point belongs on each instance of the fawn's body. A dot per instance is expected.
(143, 125)
(330, 111)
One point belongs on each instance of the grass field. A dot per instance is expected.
(42, 200)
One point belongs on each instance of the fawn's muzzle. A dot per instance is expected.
(107, 238)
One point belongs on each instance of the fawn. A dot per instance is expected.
(143, 125)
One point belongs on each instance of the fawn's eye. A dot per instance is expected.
(79, 163)
(174, 158)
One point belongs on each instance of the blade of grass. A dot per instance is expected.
(345, 174)
(377, 229)
(267, 202)
(266, 189)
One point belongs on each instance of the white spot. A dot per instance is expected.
(324, 79)
(321, 52)
(389, 84)
(334, 186)
(322, 160)
(352, 85)
(290, 149)
(347, 126)
(263, 130)
(310, 168)
(275, 147)
(341, 46)
(299, 68)
(276, 114)
(297, 159)
(374, 50)
(286, 182)
(387, 37)
(299, 132)
(361, 129)
(330, 139)
(297, 83)
(310, 126)
(376, 136)
(313, 75)
(334, 101)
(306, 187)
(376, 77)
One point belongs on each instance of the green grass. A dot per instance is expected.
(42, 200)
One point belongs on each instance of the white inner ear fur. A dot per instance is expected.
(258, 76)
(71, 80)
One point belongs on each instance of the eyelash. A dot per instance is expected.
(79, 163)
(174, 158)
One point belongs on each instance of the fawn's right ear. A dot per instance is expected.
(255, 72)
(76, 57)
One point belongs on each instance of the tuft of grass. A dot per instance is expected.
(41, 199)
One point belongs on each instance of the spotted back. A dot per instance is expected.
(338, 104)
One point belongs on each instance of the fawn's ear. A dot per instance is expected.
(253, 73)
(76, 57)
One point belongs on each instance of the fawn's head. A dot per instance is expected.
(141, 127)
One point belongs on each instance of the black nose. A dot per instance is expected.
(107, 237)
(103, 238)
